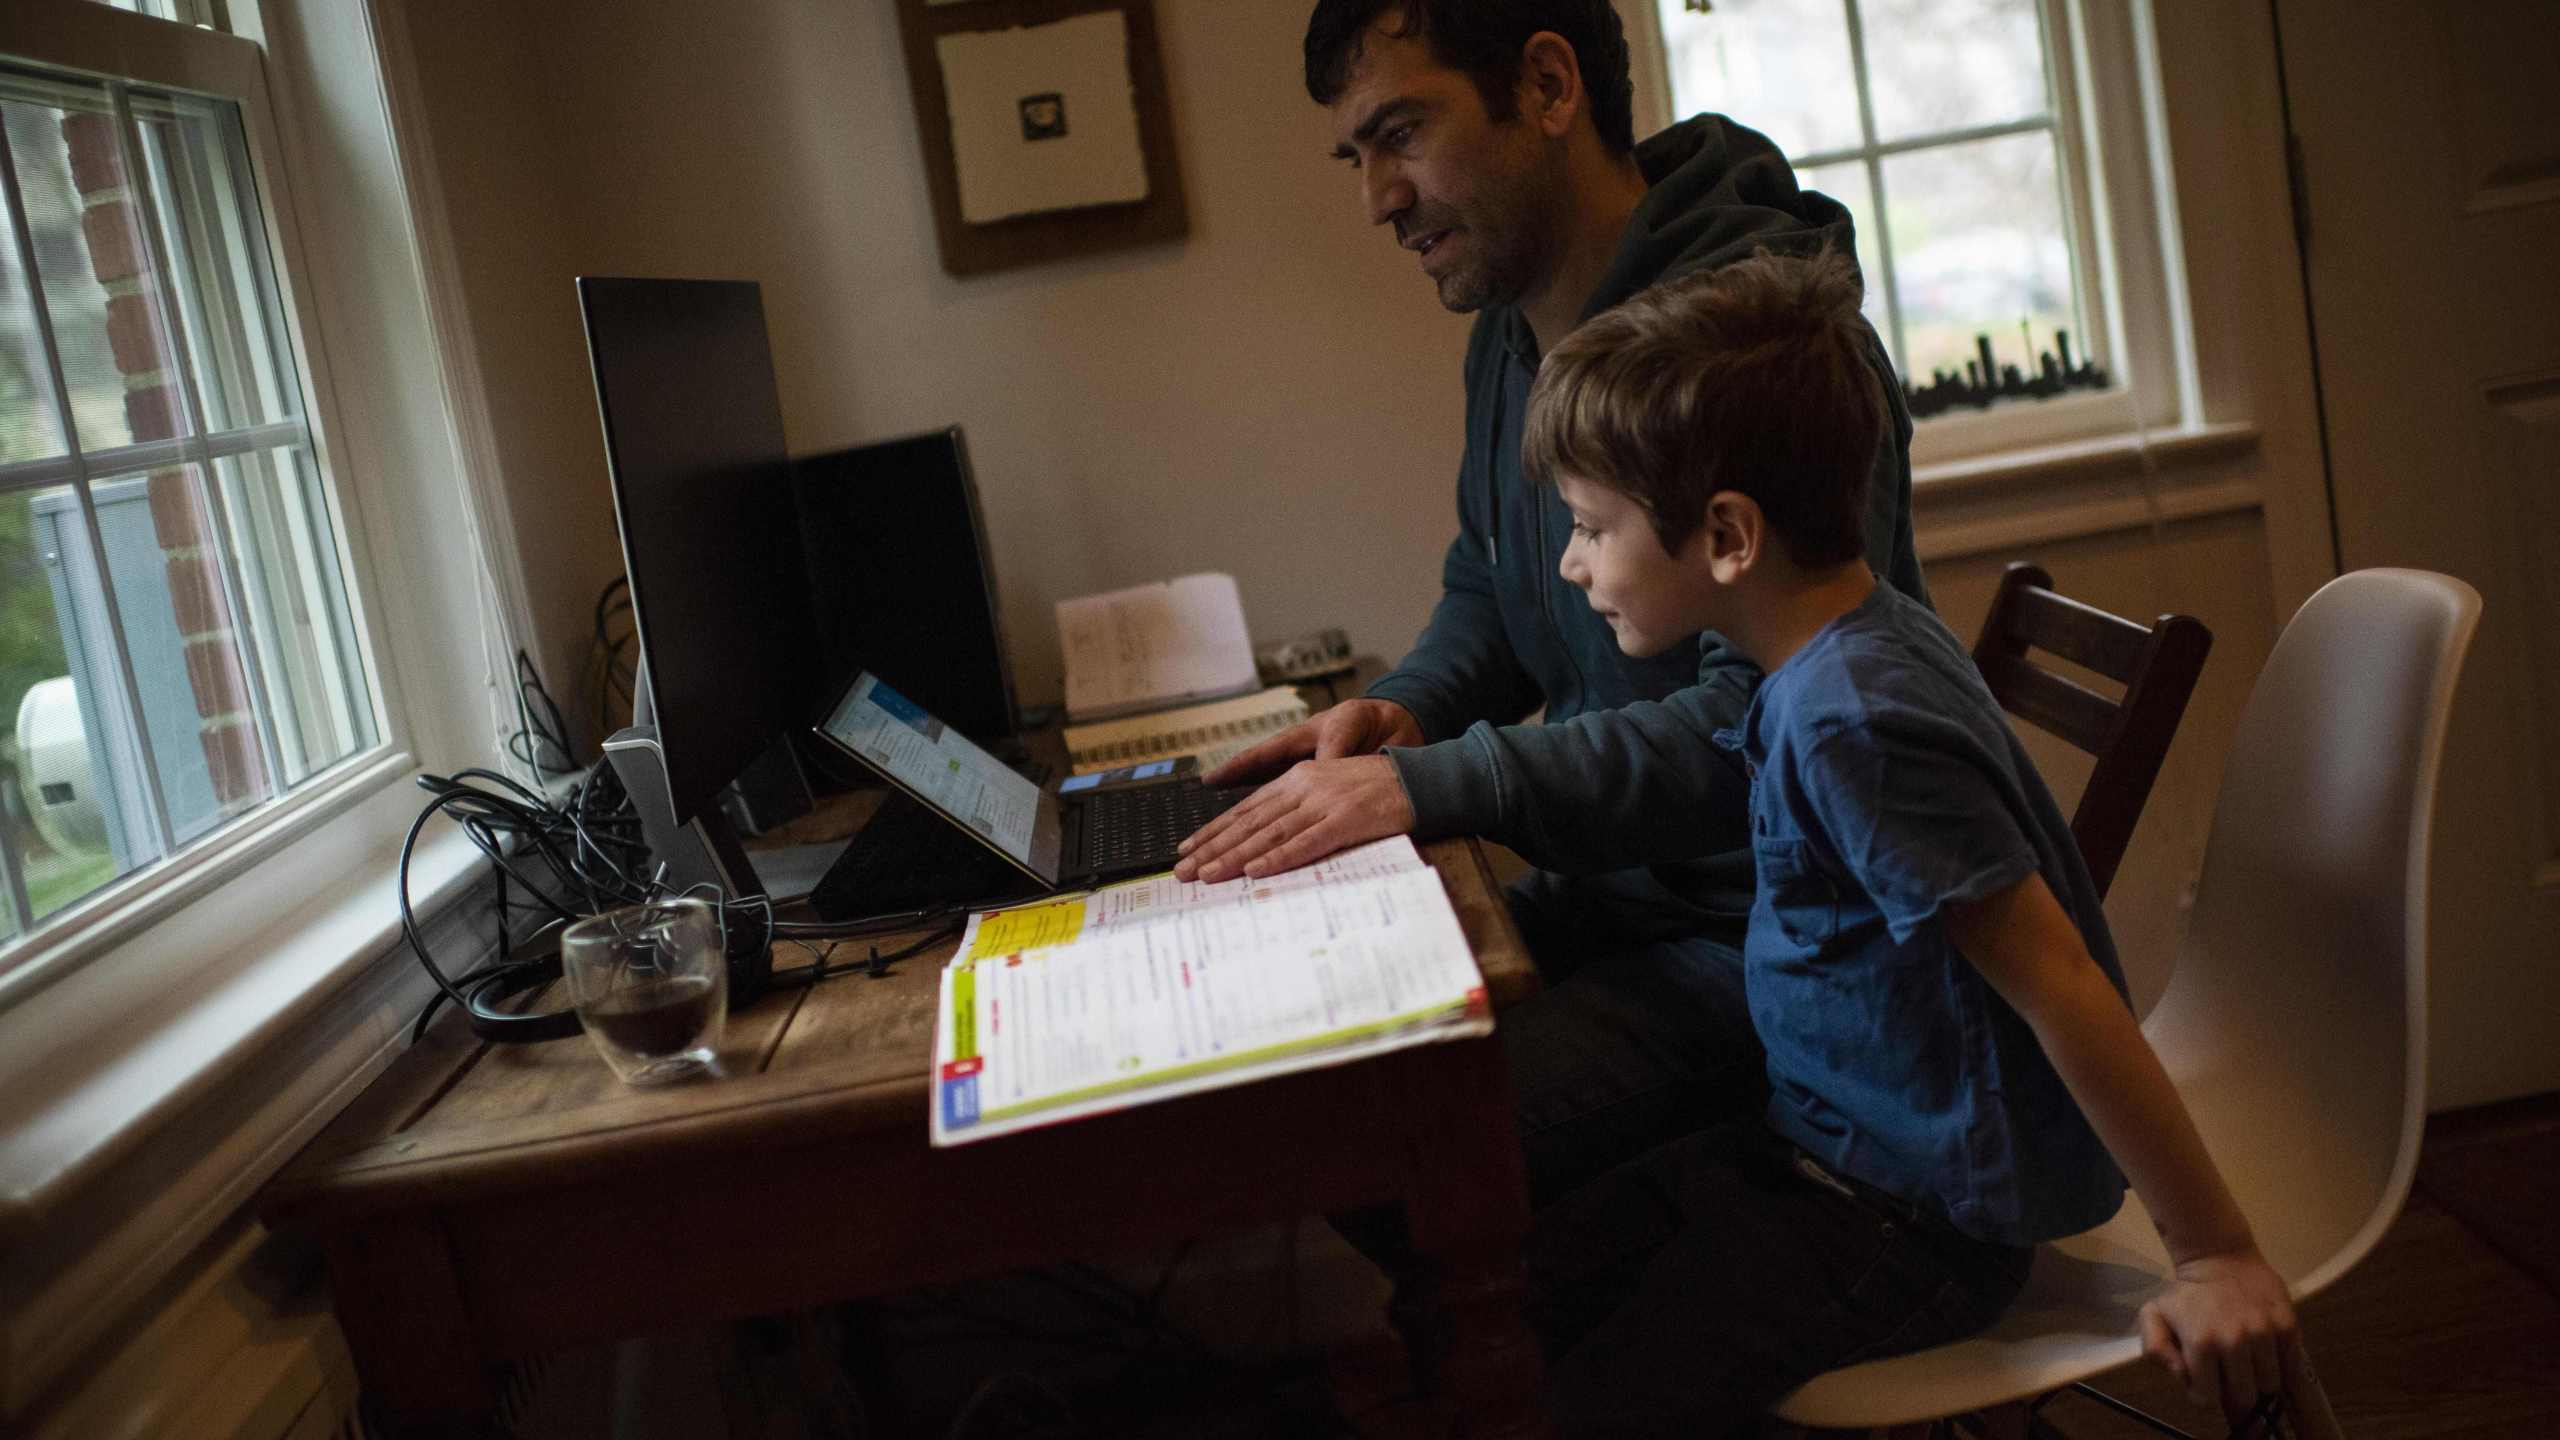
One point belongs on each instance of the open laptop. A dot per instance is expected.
(1075, 832)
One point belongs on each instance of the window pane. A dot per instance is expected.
(1947, 64)
(1979, 252)
(95, 271)
(29, 428)
(163, 9)
(199, 715)
(287, 558)
(80, 815)
(197, 160)
(1779, 66)
(1846, 182)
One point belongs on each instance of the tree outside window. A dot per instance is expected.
(1944, 126)
(176, 647)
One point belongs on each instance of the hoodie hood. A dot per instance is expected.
(1624, 772)
(1718, 192)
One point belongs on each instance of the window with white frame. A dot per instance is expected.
(185, 12)
(1964, 136)
(177, 645)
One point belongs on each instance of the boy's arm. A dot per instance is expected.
(1640, 784)
(2226, 1326)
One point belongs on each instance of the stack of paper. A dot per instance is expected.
(1157, 988)
(1148, 647)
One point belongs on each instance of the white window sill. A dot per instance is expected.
(145, 1096)
(2095, 486)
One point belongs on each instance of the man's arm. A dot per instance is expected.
(1460, 669)
(2226, 1326)
(1642, 785)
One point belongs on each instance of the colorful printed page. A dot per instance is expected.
(1058, 919)
(1197, 997)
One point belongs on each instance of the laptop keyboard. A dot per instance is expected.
(1138, 828)
(909, 858)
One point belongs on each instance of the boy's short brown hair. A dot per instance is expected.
(1753, 378)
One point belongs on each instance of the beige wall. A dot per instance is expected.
(1277, 395)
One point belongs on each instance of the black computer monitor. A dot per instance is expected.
(899, 579)
(710, 532)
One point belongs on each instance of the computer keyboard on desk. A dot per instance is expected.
(1141, 826)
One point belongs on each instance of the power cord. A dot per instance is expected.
(613, 676)
(582, 857)
(875, 965)
(541, 740)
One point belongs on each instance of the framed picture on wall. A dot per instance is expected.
(1045, 128)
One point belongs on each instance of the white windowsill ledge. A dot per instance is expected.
(1988, 503)
(144, 1097)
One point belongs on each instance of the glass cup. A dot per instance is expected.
(651, 986)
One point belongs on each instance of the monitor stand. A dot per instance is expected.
(705, 849)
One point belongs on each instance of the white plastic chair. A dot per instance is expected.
(2295, 1023)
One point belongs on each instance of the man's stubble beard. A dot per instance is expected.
(1508, 223)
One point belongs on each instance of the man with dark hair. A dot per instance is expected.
(1523, 203)
(1483, 41)
(1492, 136)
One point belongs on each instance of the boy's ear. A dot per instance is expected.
(1732, 535)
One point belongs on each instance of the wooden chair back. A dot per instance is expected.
(2129, 737)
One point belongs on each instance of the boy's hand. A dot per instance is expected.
(1319, 807)
(2226, 1330)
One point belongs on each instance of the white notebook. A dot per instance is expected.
(1173, 642)
(1215, 732)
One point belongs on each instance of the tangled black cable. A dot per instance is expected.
(583, 857)
(587, 852)
(541, 738)
(612, 675)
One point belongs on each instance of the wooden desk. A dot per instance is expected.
(479, 1204)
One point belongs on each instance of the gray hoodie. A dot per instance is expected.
(1620, 786)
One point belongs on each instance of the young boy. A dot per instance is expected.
(1955, 1074)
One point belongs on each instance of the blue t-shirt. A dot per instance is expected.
(1885, 784)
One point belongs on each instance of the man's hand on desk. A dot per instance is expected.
(1318, 807)
(1354, 727)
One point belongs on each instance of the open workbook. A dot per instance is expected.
(1140, 992)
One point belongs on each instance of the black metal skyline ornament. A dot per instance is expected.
(1984, 380)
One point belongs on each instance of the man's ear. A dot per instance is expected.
(1732, 537)
(1551, 91)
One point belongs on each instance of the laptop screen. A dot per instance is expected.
(938, 764)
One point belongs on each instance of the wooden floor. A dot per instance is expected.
(2450, 1328)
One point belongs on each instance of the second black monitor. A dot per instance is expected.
(899, 576)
